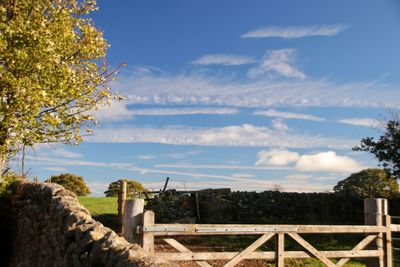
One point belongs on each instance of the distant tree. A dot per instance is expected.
(132, 187)
(387, 148)
(71, 182)
(369, 183)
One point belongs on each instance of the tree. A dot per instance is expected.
(70, 182)
(52, 72)
(132, 187)
(369, 183)
(387, 148)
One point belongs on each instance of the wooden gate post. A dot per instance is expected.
(148, 238)
(375, 211)
(121, 201)
(133, 220)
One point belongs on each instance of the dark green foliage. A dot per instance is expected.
(71, 182)
(387, 148)
(7, 222)
(369, 183)
(133, 187)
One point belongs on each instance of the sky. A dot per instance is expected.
(250, 95)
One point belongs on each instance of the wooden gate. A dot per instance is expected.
(376, 245)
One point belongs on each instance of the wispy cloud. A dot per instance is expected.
(236, 181)
(56, 169)
(246, 135)
(287, 115)
(276, 158)
(278, 62)
(223, 59)
(290, 32)
(183, 111)
(223, 167)
(279, 125)
(220, 90)
(116, 111)
(367, 122)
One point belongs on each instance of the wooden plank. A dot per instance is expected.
(181, 248)
(148, 238)
(374, 210)
(389, 249)
(311, 249)
(264, 255)
(242, 255)
(235, 229)
(121, 201)
(133, 217)
(280, 250)
(358, 247)
(395, 227)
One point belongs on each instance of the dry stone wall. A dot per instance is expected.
(53, 229)
(269, 207)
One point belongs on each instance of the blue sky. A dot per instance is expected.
(240, 94)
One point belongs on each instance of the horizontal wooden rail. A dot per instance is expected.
(232, 229)
(202, 256)
(395, 227)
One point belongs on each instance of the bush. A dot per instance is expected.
(70, 182)
(367, 183)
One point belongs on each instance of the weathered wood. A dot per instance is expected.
(133, 218)
(374, 210)
(181, 248)
(148, 238)
(311, 249)
(121, 201)
(365, 242)
(264, 255)
(256, 244)
(389, 249)
(280, 250)
(237, 229)
(395, 227)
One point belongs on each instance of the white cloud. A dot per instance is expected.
(327, 162)
(146, 157)
(280, 62)
(220, 90)
(182, 155)
(279, 125)
(183, 111)
(287, 115)
(238, 135)
(53, 151)
(117, 111)
(320, 162)
(298, 176)
(56, 169)
(276, 157)
(222, 59)
(367, 122)
(294, 31)
(243, 175)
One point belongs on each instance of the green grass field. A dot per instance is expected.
(103, 209)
